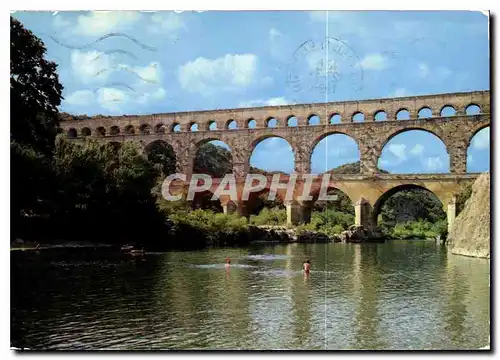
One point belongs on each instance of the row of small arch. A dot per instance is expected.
(402, 114)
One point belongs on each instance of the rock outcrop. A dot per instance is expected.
(470, 233)
(358, 234)
(355, 234)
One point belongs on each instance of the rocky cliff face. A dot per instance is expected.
(470, 233)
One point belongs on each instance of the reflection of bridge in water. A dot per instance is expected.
(447, 116)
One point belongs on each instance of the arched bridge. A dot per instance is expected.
(371, 123)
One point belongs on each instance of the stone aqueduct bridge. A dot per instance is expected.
(367, 189)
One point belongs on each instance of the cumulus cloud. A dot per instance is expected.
(434, 163)
(80, 97)
(276, 101)
(417, 150)
(88, 66)
(373, 62)
(206, 76)
(97, 23)
(167, 24)
(398, 150)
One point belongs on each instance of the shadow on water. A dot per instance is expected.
(397, 295)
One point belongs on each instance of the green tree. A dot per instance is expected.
(35, 91)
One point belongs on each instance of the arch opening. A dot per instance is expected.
(292, 121)
(101, 131)
(86, 131)
(448, 110)
(478, 152)
(212, 125)
(271, 123)
(251, 124)
(203, 200)
(193, 127)
(380, 116)
(176, 127)
(72, 133)
(403, 114)
(213, 157)
(264, 211)
(472, 109)
(114, 130)
(145, 129)
(358, 117)
(271, 154)
(162, 155)
(335, 153)
(335, 119)
(231, 125)
(414, 151)
(424, 113)
(332, 216)
(313, 120)
(410, 211)
(129, 130)
(160, 129)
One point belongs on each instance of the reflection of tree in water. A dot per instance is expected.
(208, 309)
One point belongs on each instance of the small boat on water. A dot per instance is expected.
(136, 252)
(127, 248)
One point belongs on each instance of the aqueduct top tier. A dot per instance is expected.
(445, 115)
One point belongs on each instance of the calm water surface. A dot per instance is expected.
(397, 295)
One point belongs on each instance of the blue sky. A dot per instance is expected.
(208, 60)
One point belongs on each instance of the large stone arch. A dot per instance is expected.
(475, 129)
(258, 139)
(153, 151)
(317, 140)
(379, 202)
(435, 131)
(196, 145)
(378, 149)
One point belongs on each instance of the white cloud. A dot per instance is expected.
(88, 66)
(273, 33)
(373, 62)
(434, 163)
(399, 150)
(98, 23)
(276, 101)
(418, 149)
(481, 140)
(150, 73)
(167, 24)
(206, 76)
(80, 97)
(423, 70)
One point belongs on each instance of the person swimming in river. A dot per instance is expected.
(228, 262)
(307, 266)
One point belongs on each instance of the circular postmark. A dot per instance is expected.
(324, 67)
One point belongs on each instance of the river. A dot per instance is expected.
(397, 295)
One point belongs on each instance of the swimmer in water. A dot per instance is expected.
(228, 262)
(307, 266)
